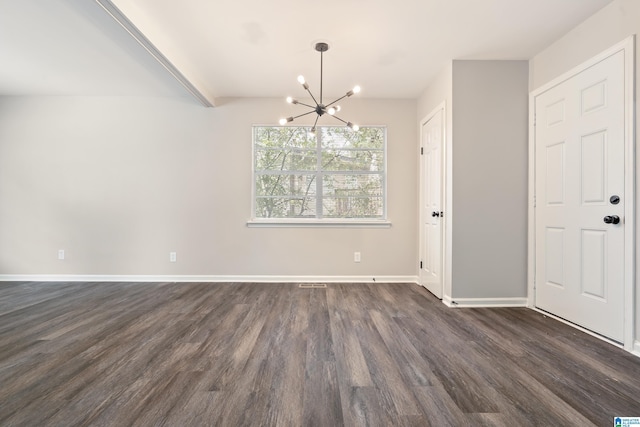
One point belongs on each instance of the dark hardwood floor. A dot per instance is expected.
(195, 354)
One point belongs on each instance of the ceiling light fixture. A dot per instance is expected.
(320, 109)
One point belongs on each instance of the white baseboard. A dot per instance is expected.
(636, 348)
(485, 302)
(203, 278)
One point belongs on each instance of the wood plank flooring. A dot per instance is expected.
(196, 354)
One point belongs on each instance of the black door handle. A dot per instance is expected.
(612, 219)
(435, 213)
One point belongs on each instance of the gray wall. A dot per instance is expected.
(120, 182)
(609, 26)
(490, 126)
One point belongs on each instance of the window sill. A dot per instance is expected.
(318, 223)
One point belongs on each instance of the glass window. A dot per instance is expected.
(336, 173)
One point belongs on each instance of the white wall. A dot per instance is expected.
(120, 182)
(609, 26)
(439, 92)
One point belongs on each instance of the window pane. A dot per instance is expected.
(276, 159)
(352, 185)
(285, 207)
(353, 207)
(343, 137)
(285, 185)
(352, 160)
(352, 196)
(283, 137)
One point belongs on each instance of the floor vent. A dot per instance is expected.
(312, 285)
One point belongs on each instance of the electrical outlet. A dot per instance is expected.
(173, 257)
(61, 254)
(356, 257)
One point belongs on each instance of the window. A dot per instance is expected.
(336, 174)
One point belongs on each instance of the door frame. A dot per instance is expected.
(628, 47)
(445, 203)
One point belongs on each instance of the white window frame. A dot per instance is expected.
(319, 222)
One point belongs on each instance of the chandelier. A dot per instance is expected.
(320, 109)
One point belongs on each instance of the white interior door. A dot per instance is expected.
(431, 215)
(580, 197)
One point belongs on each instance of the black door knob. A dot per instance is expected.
(435, 213)
(612, 219)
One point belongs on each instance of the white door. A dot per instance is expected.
(431, 219)
(579, 198)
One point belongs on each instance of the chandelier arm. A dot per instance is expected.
(343, 121)
(306, 105)
(330, 104)
(316, 122)
(313, 97)
(304, 114)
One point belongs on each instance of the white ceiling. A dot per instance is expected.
(257, 48)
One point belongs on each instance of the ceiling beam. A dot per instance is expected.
(130, 27)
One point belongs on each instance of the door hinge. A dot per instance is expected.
(421, 265)
(421, 151)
